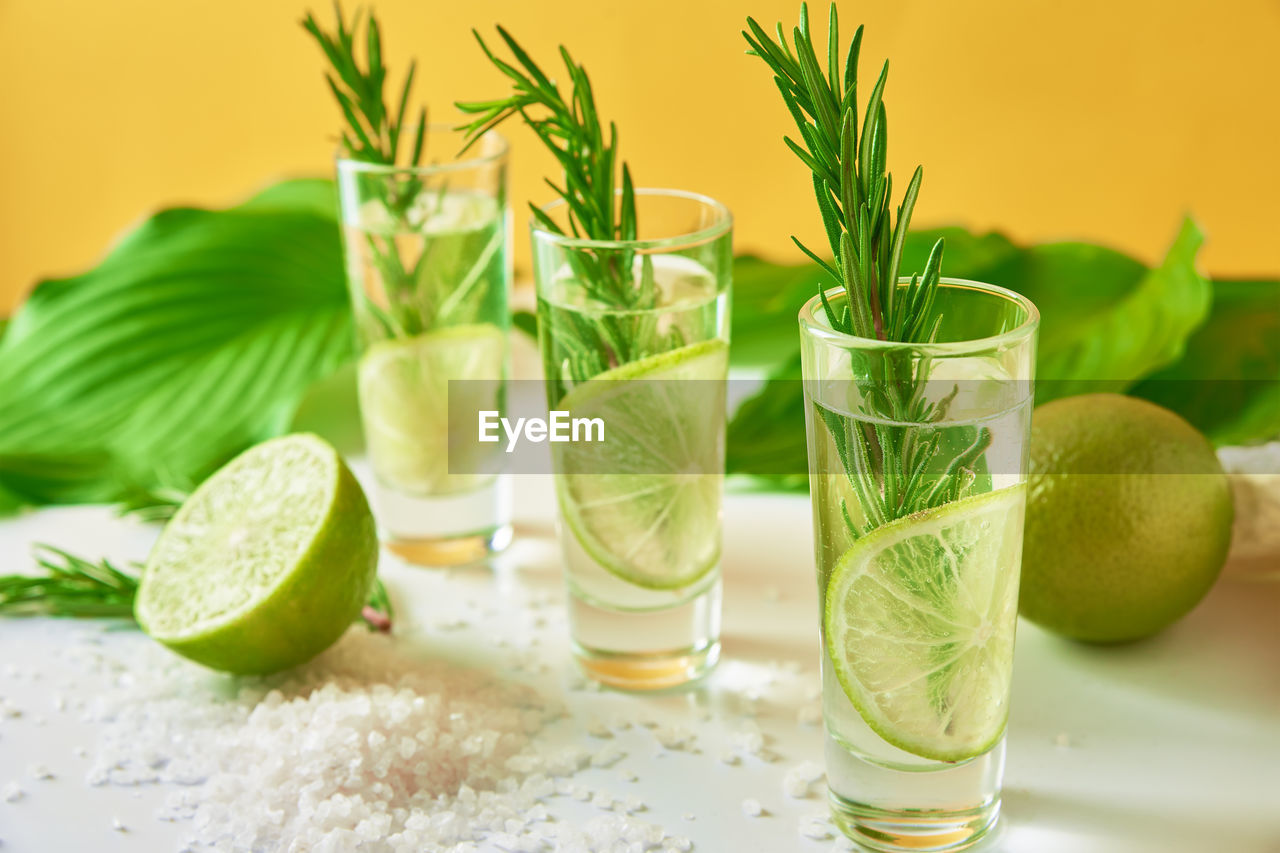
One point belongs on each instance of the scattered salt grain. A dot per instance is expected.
(752, 808)
(366, 748)
(816, 827)
(118, 826)
(12, 792)
(39, 772)
(690, 816)
(596, 728)
(1062, 740)
(676, 738)
(798, 780)
(607, 757)
(809, 714)
(730, 757)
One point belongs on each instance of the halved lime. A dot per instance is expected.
(920, 618)
(645, 503)
(266, 564)
(404, 401)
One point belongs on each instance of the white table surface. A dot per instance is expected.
(1168, 745)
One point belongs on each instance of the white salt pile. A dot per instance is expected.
(365, 749)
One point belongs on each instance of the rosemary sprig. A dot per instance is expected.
(70, 586)
(890, 461)
(373, 133)
(572, 132)
(851, 184)
(150, 503)
(74, 587)
(599, 196)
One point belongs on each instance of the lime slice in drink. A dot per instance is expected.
(645, 503)
(266, 564)
(920, 617)
(404, 400)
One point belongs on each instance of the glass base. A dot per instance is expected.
(445, 530)
(648, 649)
(942, 808)
(454, 551)
(882, 830)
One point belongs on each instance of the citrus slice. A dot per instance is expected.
(404, 402)
(645, 502)
(920, 618)
(266, 564)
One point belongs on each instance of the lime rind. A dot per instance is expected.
(636, 506)
(919, 623)
(266, 564)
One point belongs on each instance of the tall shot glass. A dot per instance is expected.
(429, 271)
(918, 463)
(634, 334)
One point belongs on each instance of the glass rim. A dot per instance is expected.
(722, 225)
(809, 322)
(350, 164)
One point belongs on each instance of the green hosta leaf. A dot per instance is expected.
(196, 337)
(767, 297)
(1106, 320)
(1227, 383)
(766, 435)
(766, 301)
(526, 322)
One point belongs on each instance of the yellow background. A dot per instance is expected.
(1097, 119)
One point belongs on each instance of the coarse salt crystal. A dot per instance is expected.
(752, 808)
(816, 827)
(809, 714)
(12, 792)
(364, 743)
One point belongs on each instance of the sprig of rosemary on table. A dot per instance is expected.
(74, 587)
(70, 586)
(852, 186)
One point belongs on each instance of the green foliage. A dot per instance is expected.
(1227, 382)
(1106, 320)
(1209, 352)
(195, 338)
(203, 330)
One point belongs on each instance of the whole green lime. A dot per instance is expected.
(1128, 518)
(266, 564)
